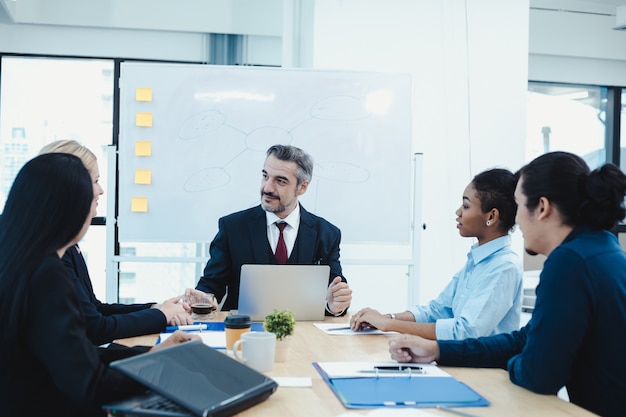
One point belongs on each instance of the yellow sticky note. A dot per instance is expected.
(139, 204)
(143, 94)
(143, 176)
(143, 148)
(143, 119)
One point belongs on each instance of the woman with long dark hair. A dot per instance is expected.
(48, 364)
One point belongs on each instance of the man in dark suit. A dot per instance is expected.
(252, 236)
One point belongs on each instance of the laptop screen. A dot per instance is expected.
(198, 378)
(300, 289)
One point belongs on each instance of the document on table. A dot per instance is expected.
(336, 370)
(391, 412)
(215, 339)
(344, 329)
(393, 384)
(213, 333)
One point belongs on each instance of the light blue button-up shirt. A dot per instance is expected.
(483, 298)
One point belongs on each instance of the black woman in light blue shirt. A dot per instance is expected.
(485, 296)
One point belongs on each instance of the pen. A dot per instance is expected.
(453, 411)
(338, 328)
(397, 369)
(187, 328)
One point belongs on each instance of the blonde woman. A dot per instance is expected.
(107, 322)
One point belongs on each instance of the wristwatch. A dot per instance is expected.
(333, 313)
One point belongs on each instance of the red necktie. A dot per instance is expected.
(281, 248)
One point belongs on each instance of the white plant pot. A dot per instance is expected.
(282, 349)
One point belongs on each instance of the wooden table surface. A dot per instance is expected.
(309, 344)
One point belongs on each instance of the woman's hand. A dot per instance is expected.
(176, 338)
(177, 313)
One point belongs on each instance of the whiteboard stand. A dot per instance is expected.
(417, 228)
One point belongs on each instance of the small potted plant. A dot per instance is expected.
(282, 323)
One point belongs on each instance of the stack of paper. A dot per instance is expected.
(337, 329)
(213, 333)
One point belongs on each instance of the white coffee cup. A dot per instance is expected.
(257, 350)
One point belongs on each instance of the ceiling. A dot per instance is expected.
(590, 6)
(608, 2)
(245, 17)
(124, 13)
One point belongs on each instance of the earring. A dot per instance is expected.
(488, 222)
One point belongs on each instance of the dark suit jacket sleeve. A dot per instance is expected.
(333, 256)
(107, 322)
(218, 271)
(335, 266)
(483, 352)
(318, 242)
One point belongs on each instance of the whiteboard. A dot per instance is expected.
(193, 140)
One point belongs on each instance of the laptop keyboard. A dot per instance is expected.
(163, 404)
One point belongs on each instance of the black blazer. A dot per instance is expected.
(242, 239)
(107, 322)
(56, 369)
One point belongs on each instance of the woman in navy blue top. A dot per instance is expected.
(577, 333)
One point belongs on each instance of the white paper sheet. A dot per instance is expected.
(215, 339)
(343, 329)
(369, 369)
(293, 382)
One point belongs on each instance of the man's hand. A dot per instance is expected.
(339, 296)
(176, 338)
(407, 348)
(196, 296)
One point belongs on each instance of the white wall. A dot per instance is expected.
(469, 67)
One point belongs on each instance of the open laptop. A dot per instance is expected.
(300, 289)
(190, 379)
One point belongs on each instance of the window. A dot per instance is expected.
(127, 286)
(45, 99)
(160, 270)
(578, 119)
(623, 131)
(564, 117)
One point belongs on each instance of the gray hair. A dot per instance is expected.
(292, 154)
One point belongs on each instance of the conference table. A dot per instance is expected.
(310, 344)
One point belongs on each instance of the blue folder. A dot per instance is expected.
(403, 391)
(255, 326)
